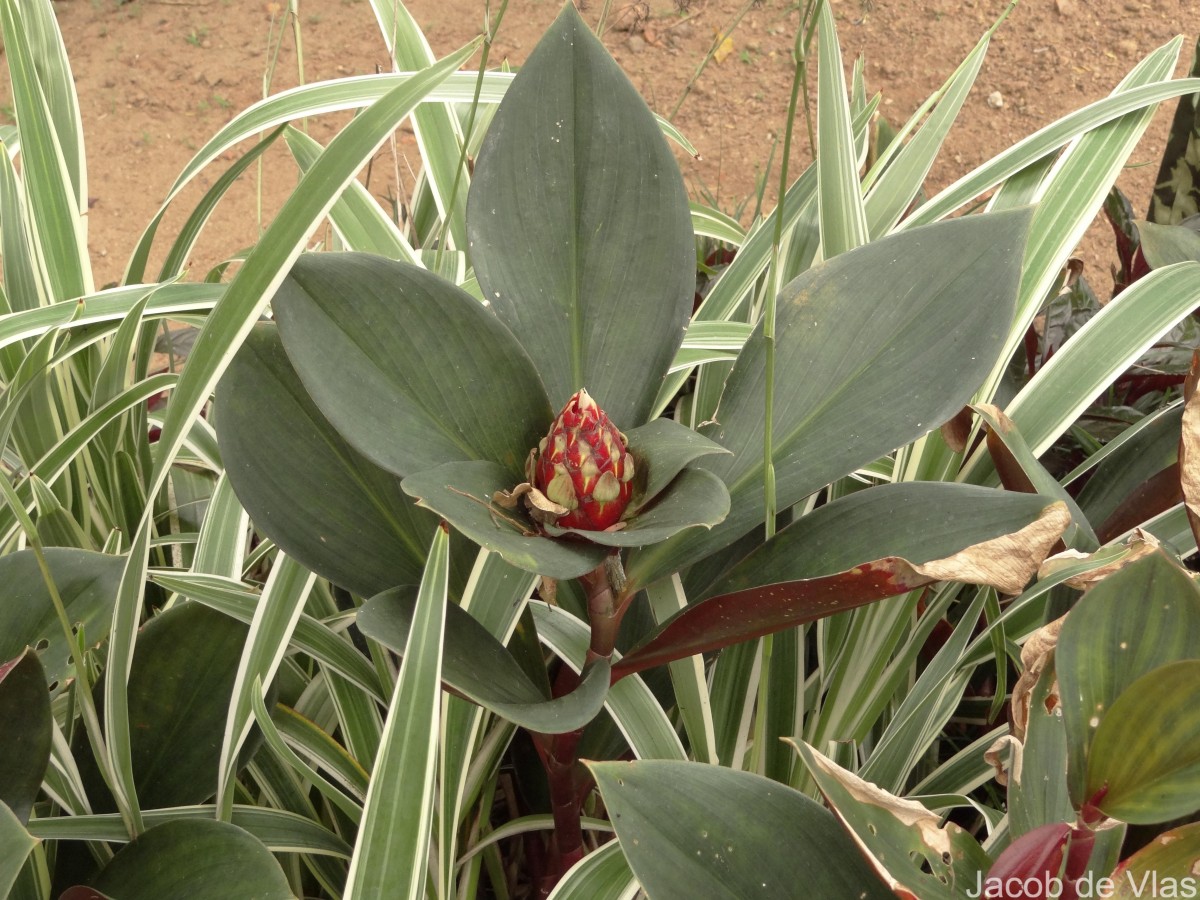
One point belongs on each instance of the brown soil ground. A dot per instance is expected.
(157, 77)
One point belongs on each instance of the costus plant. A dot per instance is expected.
(579, 236)
(465, 543)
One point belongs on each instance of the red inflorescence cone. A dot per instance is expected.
(583, 465)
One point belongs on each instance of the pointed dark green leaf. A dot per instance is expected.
(318, 498)
(695, 830)
(1163, 245)
(1144, 762)
(921, 855)
(695, 498)
(579, 227)
(462, 492)
(846, 554)
(412, 370)
(201, 859)
(876, 347)
(180, 686)
(24, 732)
(87, 583)
(918, 521)
(480, 668)
(661, 448)
(1141, 617)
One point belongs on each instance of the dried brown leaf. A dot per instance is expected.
(1007, 562)
(957, 431)
(1034, 657)
(1004, 756)
(1140, 544)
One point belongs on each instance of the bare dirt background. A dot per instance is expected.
(156, 78)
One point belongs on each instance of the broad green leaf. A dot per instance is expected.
(1136, 620)
(918, 521)
(869, 545)
(267, 264)
(1143, 765)
(25, 727)
(15, 846)
(178, 691)
(848, 332)
(694, 830)
(462, 494)
(1168, 860)
(1163, 245)
(662, 448)
(480, 668)
(200, 859)
(579, 227)
(87, 583)
(409, 368)
(911, 848)
(329, 507)
(391, 853)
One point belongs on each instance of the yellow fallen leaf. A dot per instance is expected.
(723, 49)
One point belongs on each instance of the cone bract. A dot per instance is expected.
(583, 465)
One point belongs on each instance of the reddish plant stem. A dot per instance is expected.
(567, 781)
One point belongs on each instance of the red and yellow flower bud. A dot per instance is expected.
(584, 466)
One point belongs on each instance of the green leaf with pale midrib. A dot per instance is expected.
(694, 830)
(409, 368)
(196, 858)
(329, 507)
(579, 227)
(848, 336)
